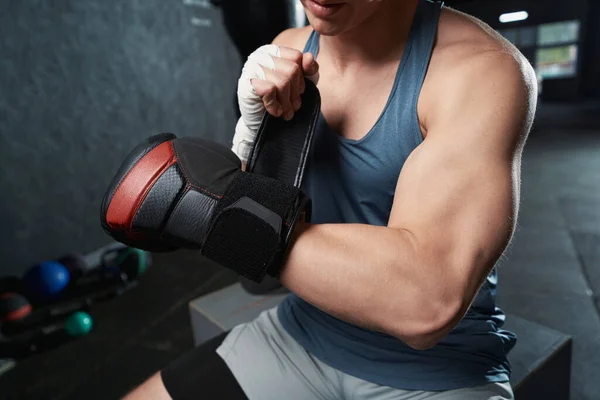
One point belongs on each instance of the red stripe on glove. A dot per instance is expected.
(134, 188)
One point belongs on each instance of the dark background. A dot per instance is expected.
(81, 82)
(586, 83)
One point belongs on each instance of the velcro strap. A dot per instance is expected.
(243, 240)
(252, 222)
(277, 196)
(281, 147)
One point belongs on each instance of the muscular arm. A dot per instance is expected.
(453, 215)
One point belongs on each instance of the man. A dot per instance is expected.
(414, 178)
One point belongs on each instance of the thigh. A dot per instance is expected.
(491, 391)
(358, 389)
(202, 374)
(270, 365)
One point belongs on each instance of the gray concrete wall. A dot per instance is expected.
(81, 82)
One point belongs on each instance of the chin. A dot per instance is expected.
(326, 28)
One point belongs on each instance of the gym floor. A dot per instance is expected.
(549, 275)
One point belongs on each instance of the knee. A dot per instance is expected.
(152, 389)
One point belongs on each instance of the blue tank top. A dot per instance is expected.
(353, 181)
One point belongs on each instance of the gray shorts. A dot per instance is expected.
(270, 365)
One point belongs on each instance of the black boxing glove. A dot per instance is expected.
(173, 193)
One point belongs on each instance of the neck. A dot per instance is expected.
(379, 38)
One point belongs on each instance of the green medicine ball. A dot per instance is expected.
(79, 324)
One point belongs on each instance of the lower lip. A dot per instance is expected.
(321, 11)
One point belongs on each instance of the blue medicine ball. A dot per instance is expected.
(46, 279)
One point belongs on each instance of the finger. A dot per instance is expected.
(291, 55)
(282, 83)
(293, 73)
(301, 84)
(309, 64)
(264, 56)
(294, 56)
(267, 91)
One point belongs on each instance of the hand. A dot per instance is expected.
(272, 79)
(282, 79)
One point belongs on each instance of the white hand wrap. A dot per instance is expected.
(251, 105)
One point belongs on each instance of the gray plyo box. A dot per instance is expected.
(541, 360)
(220, 311)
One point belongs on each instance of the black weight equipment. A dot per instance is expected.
(13, 307)
(75, 264)
(21, 341)
(129, 261)
(11, 284)
(119, 271)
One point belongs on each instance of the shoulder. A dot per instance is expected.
(294, 38)
(466, 48)
(464, 41)
(475, 69)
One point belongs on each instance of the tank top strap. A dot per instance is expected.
(312, 44)
(420, 47)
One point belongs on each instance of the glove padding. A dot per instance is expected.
(173, 193)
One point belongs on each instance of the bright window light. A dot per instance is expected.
(299, 15)
(514, 16)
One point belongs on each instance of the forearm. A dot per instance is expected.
(367, 275)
